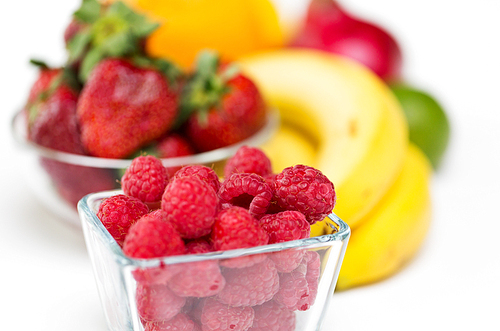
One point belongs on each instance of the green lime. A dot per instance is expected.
(427, 121)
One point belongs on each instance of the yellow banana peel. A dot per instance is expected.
(392, 233)
(354, 120)
(288, 147)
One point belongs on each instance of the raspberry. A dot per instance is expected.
(313, 273)
(270, 178)
(179, 323)
(153, 236)
(271, 316)
(236, 228)
(285, 226)
(157, 302)
(191, 205)
(198, 246)
(198, 279)
(293, 288)
(249, 160)
(204, 173)
(298, 289)
(145, 179)
(245, 190)
(287, 260)
(156, 275)
(118, 213)
(216, 316)
(305, 189)
(250, 286)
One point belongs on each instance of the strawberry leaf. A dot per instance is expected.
(77, 45)
(39, 63)
(139, 25)
(89, 62)
(88, 12)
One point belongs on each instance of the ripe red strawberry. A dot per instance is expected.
(52, 123)
(51, 112)
(123, 107)
(221, 105)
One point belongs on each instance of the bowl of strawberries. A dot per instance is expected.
(194, 252)
(83, 122)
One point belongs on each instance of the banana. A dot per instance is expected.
(279, 151)
(394, 230)
(353, 119)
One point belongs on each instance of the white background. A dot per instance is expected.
(451, 49)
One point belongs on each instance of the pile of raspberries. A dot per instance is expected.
(193, 212)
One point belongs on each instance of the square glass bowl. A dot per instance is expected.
(291, 282)
(59, 180)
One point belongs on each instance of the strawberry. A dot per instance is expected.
(52, 123)
(124, 106)
(99, 30)
(51, 111)
(222, 106)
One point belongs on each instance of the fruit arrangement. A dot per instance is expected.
(344, 106)
(193, 212)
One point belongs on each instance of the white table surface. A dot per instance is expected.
(451, 48)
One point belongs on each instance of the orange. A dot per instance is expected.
(233, 28)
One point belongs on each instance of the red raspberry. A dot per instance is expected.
(293, 288)
(180, 322)
(156, 275)
(204, 173)
(305, 189)
(198, 246)
(191, 205)
(285, 226)
(271, 316)
(287, 260)
(298, 289)
(250, 286)
(118, 213)
(313, 273)
(245, 190)
(249, 160)
(236, 228)
(270, 178)
(145, 179)
(153, 236)
(157, 302)
(216, 316)
(198, 279)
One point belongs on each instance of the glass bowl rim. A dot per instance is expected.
(18, 130)
(87, 215)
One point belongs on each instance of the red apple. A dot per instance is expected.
(330, 28)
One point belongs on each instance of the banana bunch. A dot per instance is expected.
(341, 118)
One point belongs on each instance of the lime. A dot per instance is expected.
(427, 121)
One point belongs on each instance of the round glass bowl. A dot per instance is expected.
(61, 179)
(300, 278)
